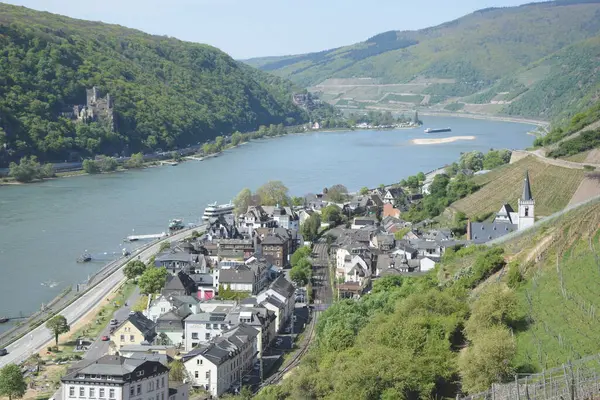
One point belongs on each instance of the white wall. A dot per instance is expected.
(200, 330)
(121, 392)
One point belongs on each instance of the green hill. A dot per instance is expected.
(536, 58)
(166, 93)
(504, 184)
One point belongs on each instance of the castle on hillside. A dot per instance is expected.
(506, 220)
(97, 108)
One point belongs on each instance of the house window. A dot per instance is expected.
(207, 374)
(198, 362)
(92, 393)
(207, 326)
(111, 393)
(162, 380)
(157, 383)
(81, 392)
(207, 336)
(162, 396)
(122, 338)
(527, 211)
(223, 326)
(72, 391)
(194, 335)
(215, 326)
(101, 393)
(162, 310)
(139, 388)
(132, 391)
(196, 374)
(131, 338)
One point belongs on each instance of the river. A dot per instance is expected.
(46, 226)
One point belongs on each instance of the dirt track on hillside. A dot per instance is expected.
(589, 187)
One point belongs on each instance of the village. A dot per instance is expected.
(234, 313)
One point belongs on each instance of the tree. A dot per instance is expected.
(438, 186)
(27, 170)
(133, 269)
(236, 138)
(337, 193)
(12, 383)
(242, 201)
(107, 164)
(176, 156)
(273, 193)
(472, 160)
(153, 280)
(141, 304)
(135, 161)
(90, 166)
(219, 143)
(310, 228)
(177, 371)
(332, 214)
(364, 191)
(163, 339)
(297, 201)
(58, 325)
(487, 360)
(421, 177)
(299, 254)
(299, 275)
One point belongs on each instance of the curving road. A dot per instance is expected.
(38, 338)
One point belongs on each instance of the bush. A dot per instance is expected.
(515, 277)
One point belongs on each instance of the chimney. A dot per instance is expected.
(469, 229)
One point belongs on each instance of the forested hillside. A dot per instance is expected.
(484, 315)
(166, 93)
(538, 59)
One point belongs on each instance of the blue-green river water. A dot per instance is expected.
(45, 226)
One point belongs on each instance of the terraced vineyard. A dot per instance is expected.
(552, 188)
(561, 297)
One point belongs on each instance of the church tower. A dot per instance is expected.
(526, 205)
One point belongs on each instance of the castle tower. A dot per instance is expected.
(526, 205)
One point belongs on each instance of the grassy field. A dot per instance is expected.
(561, 298)
(579, 157)
(404, 98)
(552, 188)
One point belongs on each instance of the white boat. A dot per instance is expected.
(215, 210)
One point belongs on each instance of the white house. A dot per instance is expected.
(427, 263)
(356, 269)
(203, 327)
(117, 378)
(163, 304)
(279, 298)
(216, 366)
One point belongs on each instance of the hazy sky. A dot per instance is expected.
(252, 28)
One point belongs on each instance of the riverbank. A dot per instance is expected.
(486, 117)
(442, 140)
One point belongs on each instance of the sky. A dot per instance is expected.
(256, 28)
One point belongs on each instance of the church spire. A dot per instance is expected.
(526, 188)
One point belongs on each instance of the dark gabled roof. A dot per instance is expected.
(273, 239)
(425, 244)
(376, 199)
(274, 301)
(526, 188)
(405, 246)
(146, 326)
(181, 281)
(482, 232)
(283, 286)
(124, 369)
(177, 315)
(226, 346)
(395, 192)
(236, 274)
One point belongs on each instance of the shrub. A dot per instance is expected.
(515, 277)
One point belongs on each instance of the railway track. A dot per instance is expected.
(278, 376)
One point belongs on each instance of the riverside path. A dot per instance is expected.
(39, 337)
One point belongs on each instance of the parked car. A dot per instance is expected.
(3, 352)
(105, 338)
(114, 322)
